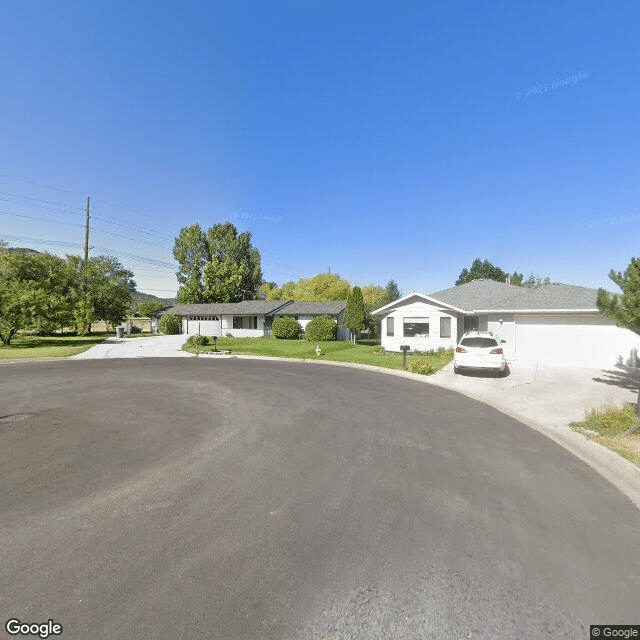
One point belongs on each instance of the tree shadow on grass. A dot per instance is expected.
(38, 342)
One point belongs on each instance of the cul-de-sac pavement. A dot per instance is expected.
(245, 499)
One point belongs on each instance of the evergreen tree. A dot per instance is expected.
(355, 316)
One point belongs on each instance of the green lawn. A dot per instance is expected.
(336, 351)
(607, 427)
(29, 346)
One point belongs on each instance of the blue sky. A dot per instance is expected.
(378, 141)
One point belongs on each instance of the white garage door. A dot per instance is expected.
(585, 340)
(204, 326)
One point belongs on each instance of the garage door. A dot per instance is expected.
(204, 326)
(585, 340)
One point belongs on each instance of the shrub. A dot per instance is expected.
(170, 324)
(228, 335)
(201, 341)
(286, 328)
(135, 329)
(322, 329)
(380, 351)
(421, 365)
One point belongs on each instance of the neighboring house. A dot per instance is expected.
(555, 324)
(251, 318)
(305, 312)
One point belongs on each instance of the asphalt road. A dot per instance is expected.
(194, 498)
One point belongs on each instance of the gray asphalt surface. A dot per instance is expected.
(194, 498)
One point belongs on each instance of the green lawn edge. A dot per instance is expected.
(337, 351)
(608, 426)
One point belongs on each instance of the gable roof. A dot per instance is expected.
(484, 295)
(414, 294)
(314, 308)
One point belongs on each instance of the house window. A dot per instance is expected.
(445, 327)
(245, 322)
(390, 327)
(203, 318)
(416, 327)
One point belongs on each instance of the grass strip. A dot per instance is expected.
(607, 426)
(338, 351)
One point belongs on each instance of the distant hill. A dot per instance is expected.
(139, 296)
(23, 250)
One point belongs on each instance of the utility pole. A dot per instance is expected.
(86, 233)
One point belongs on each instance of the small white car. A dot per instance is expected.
(479, 350)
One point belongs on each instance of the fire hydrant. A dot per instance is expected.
(318, 350)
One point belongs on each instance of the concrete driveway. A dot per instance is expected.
(155, 347)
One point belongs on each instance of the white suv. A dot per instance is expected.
(479, 350)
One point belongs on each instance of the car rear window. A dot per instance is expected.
(479, 342)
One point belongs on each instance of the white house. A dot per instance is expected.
(251, 318)
(555, 324)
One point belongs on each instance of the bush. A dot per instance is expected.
(135, 329)
(286, 328)
(170, 324)
(421, 365)
(322, 329)
(200, 341)
(380, 351)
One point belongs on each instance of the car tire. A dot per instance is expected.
(456, 370)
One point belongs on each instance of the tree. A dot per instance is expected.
(220, 265)
(354, 314)
(146, 308)
(191, 251)
(623, 309)
(392, 292)
(480, 269)
(170, 324)
(33, 292)
(102, 290)
(534, 281)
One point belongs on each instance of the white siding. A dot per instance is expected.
(579, 340)
(503, 325)
(418, 309)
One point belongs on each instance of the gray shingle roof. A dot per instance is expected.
(489, 295)
(477, 294)
(314, 308)
(552, 296)
(245, 308)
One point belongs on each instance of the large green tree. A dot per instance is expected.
(102, 289)
(34, 293)
(624, 309)
(219, 265)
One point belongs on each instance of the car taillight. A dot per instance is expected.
(461, 350)
(498, 350)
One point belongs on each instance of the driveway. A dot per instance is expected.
(248, 499)
(154, 347)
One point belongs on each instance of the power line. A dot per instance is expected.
(19, 215)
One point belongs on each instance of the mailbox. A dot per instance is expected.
(404, 347)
